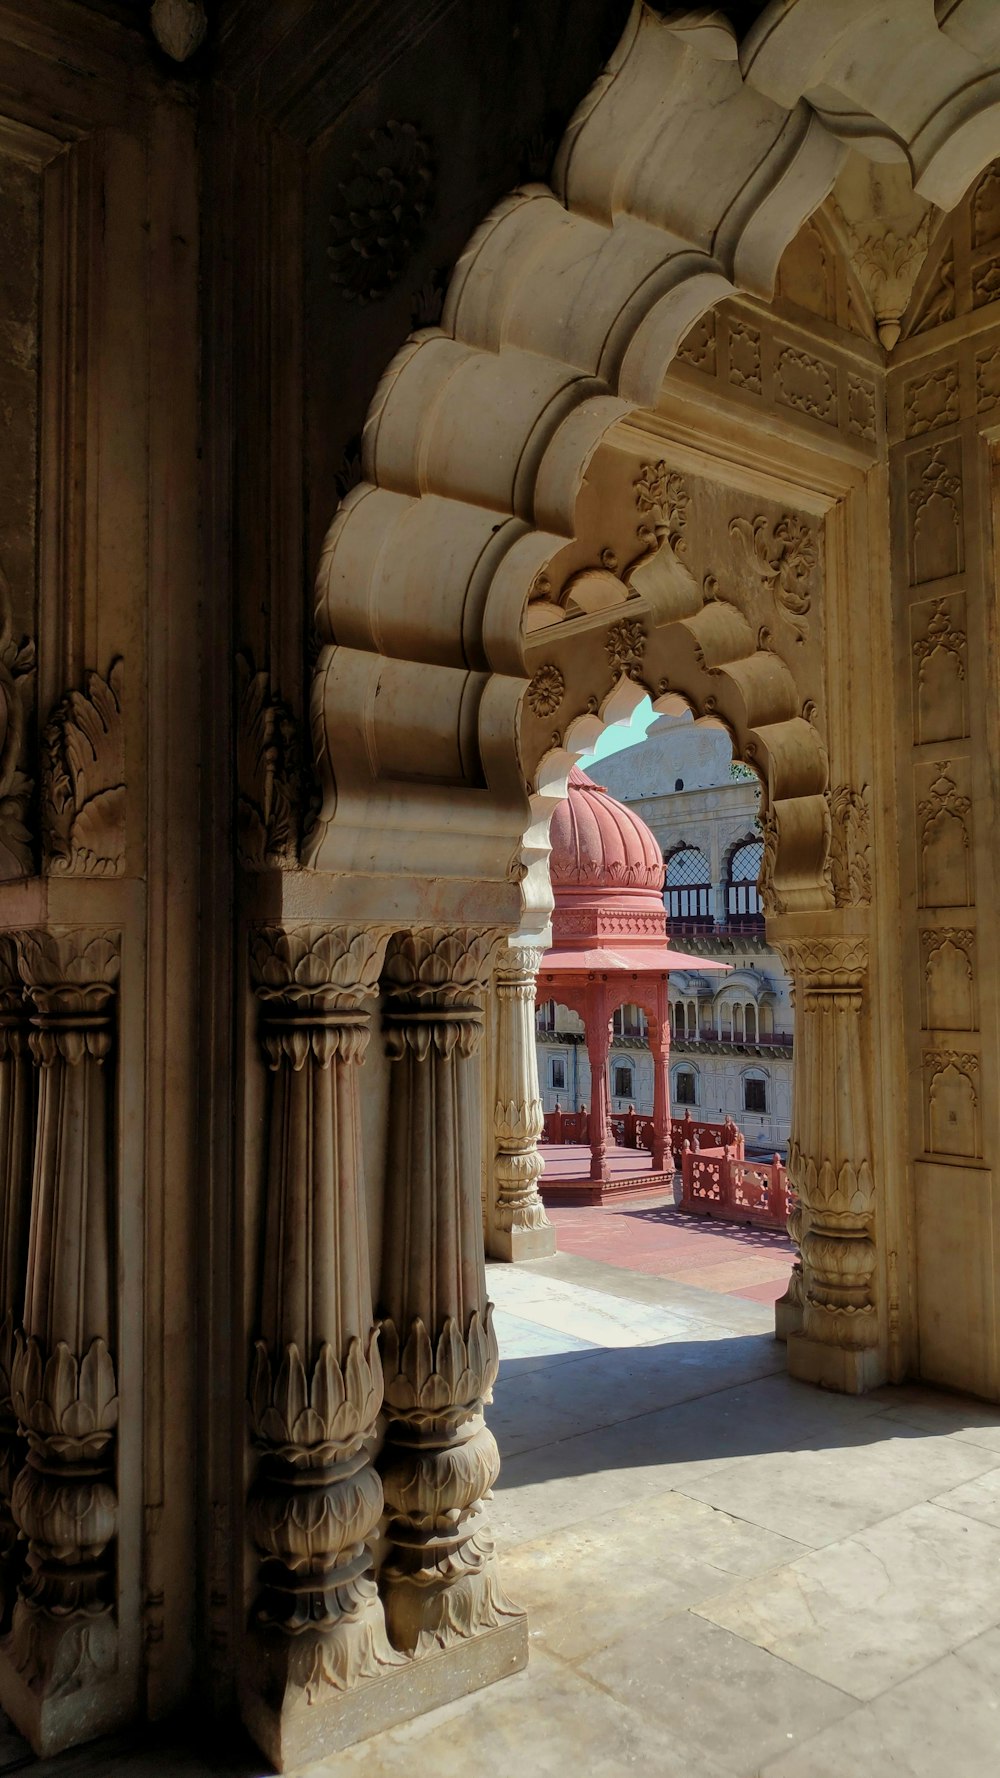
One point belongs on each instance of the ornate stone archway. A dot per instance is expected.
(485, 605)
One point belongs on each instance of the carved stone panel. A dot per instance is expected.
(934, 489)
(949, 978)
(744, 356)
(806, 383)
(951, 1081)
(987, 379)
(938, 648)
(944, 835)
(930, 400)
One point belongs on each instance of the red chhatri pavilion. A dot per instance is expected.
(609, 945)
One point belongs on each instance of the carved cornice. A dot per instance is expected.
(312, 981)
(310, 1418)
(829, 973)
(440, 1384)
(71, 975)
(83, 780)
(436, 979)
(67, 1406)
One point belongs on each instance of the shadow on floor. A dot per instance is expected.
(746, 1233)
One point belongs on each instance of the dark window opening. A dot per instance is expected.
(755, 1095)
(684, 1088)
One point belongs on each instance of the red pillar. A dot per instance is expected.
(597, 1024)
(659, 1041)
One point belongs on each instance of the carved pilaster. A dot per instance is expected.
(17, 1130)
(519, 1227)
(439, 1462)
(830, 1167)
(63, 1644)
(316, 1377)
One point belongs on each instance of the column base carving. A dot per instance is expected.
(788, 1308)
(293, 1728)
(518, 1243)
(851, 1372)
(59, 1677)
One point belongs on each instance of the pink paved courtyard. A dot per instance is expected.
(654, 1238)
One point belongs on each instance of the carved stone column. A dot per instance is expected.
(318, 1628)
(17, 1136)
(829, 1165)
(440, 1581)
(598, 1027)
(519, 1226)
(659, 1044)
(59, 1678)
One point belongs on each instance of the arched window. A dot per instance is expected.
(622, 1079)
(750, 1013)
(689, 889)
(545, 1016)
(743, 908)
(629, 1021)
(685, 1087)
(755, 1096)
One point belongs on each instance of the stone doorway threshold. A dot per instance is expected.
(728, 1574)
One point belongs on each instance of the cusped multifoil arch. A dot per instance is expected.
(681, 179)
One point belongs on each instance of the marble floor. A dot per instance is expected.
(728, 1574)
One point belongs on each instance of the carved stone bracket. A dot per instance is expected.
(829, 1158)
(315, 1386)
(519, 1227)
(439, 1462)
(83, 780)
(64, 1640)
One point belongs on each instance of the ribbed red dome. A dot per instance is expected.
(598, 843)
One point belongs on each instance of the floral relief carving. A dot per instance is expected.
(771, 901)
(986, 207)
(546, 690)
(17, 672)
(268, 775)
(860, 406)
(698, 345)
(744, 356)
(940, 654)
(83, 780)
(383, 209)
(663, 501)
(625, 646)
(987, 379)
(311, 1416)
(986, 283)
(935, 495)
(807, 384)
(887, 263)
(782, 561)
(850, 846)
(931, 401)
(945, 842)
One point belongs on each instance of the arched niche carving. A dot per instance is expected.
(681, 179)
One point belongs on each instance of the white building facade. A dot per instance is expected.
(732, 1034)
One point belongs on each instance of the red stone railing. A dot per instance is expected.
(632, 1130)
(720, 1183)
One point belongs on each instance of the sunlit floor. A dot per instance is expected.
(727, 1573)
